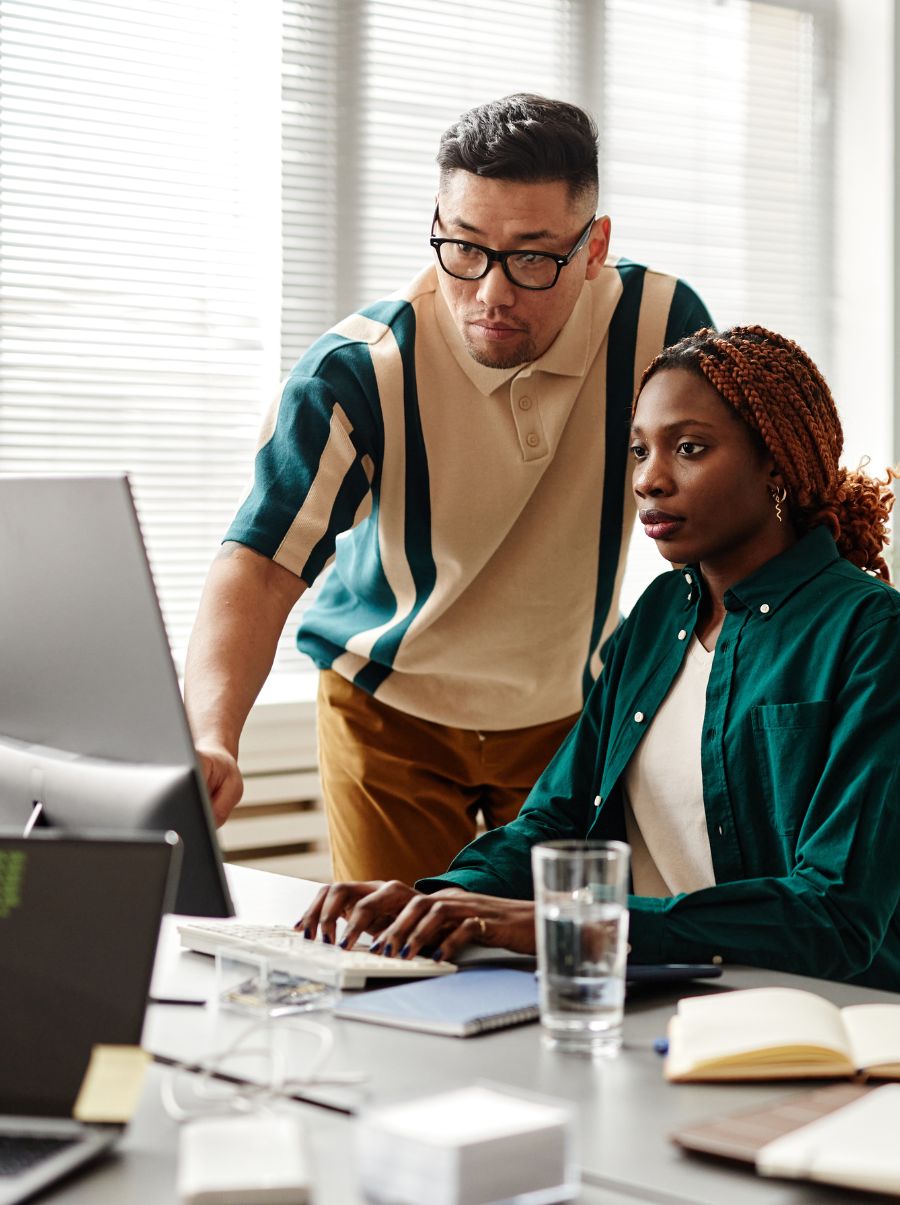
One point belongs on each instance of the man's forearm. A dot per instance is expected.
(243, 609)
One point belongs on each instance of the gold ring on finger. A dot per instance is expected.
(482, 925)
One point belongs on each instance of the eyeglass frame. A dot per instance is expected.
(501, 257)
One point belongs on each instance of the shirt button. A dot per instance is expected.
(721, 830)
(639, 717)
(765, 608)
(524, 403)
(598, 801)
(716, 960)
(682, 634)
(689, 579)
(532, 440)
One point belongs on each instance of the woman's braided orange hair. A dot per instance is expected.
(779, 393)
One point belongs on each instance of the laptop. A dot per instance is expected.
(79, 922)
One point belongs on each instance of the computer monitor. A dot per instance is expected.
(92, 725)
(79, 919)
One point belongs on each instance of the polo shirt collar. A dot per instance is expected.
(566, 356)
(772, 584)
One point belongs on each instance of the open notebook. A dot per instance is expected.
(779, 1033)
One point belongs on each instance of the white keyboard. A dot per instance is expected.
(288, 951)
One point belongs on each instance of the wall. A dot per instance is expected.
(863, 374)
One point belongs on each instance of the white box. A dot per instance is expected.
(473, 1146)
(256, 1160)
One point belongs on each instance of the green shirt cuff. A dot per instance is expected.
(469, 880)
(646, 928)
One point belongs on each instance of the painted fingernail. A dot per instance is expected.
(307, 932)
(374, 947)
(387, 950)
(437, 955)
(326, 939)
(405, 951)
(343, 943)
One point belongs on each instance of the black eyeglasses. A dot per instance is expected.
(527, 269)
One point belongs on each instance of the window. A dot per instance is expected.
(195, 189)
(137, 262)
(717, 162)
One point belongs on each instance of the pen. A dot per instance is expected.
(661, 1045)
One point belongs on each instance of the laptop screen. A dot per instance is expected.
(79, 921)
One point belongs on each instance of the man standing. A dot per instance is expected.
(466, 439)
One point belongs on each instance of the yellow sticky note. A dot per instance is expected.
(112, 1084)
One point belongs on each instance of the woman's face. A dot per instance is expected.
(701, 480)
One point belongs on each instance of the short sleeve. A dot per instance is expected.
(687, 313)
(314, 467)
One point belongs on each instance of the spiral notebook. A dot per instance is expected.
(460, 1005)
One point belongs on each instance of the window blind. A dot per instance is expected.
(132, 265)
(420, 66)
(312, 84)
(716, 164)
(194, 190)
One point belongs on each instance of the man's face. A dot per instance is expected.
(502, 324)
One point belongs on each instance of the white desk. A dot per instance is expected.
(142, 1171)
(625, 1109)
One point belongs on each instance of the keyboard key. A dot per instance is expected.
(285, 950)
(19, 1152)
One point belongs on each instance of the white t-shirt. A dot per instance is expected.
(665, 819)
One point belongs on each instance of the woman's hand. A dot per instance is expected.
(405, 922)
(366, 907)
(441, 924)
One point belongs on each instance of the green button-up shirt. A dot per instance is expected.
(800, 763)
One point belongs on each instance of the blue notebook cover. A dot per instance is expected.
(460, 1005)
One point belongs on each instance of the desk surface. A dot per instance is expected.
(625, 1109)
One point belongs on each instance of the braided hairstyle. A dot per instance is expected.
(780, 394)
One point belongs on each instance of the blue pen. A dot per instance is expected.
(661, 1045)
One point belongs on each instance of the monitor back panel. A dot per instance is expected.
(86, 662)
(87, 673)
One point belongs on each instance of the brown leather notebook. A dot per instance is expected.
(843, 1135)
(742, 1135)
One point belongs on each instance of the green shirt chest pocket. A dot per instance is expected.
(791, 741)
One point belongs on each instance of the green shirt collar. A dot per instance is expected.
(772, 584)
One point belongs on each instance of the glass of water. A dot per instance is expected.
(581, 915)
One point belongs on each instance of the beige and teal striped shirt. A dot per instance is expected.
(478, 517)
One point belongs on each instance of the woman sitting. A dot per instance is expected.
(744, 735)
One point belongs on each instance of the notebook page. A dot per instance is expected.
(855, 1146)
(737, 1023)
(874, 1033)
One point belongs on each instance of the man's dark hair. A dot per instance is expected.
(524, 137)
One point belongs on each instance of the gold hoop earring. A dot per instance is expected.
(779, 495)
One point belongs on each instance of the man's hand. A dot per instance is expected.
(405, 922)
(244, 605)
(224, 781)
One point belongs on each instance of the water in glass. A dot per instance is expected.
(583, 986)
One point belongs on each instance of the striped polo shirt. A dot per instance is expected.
(477, 517)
